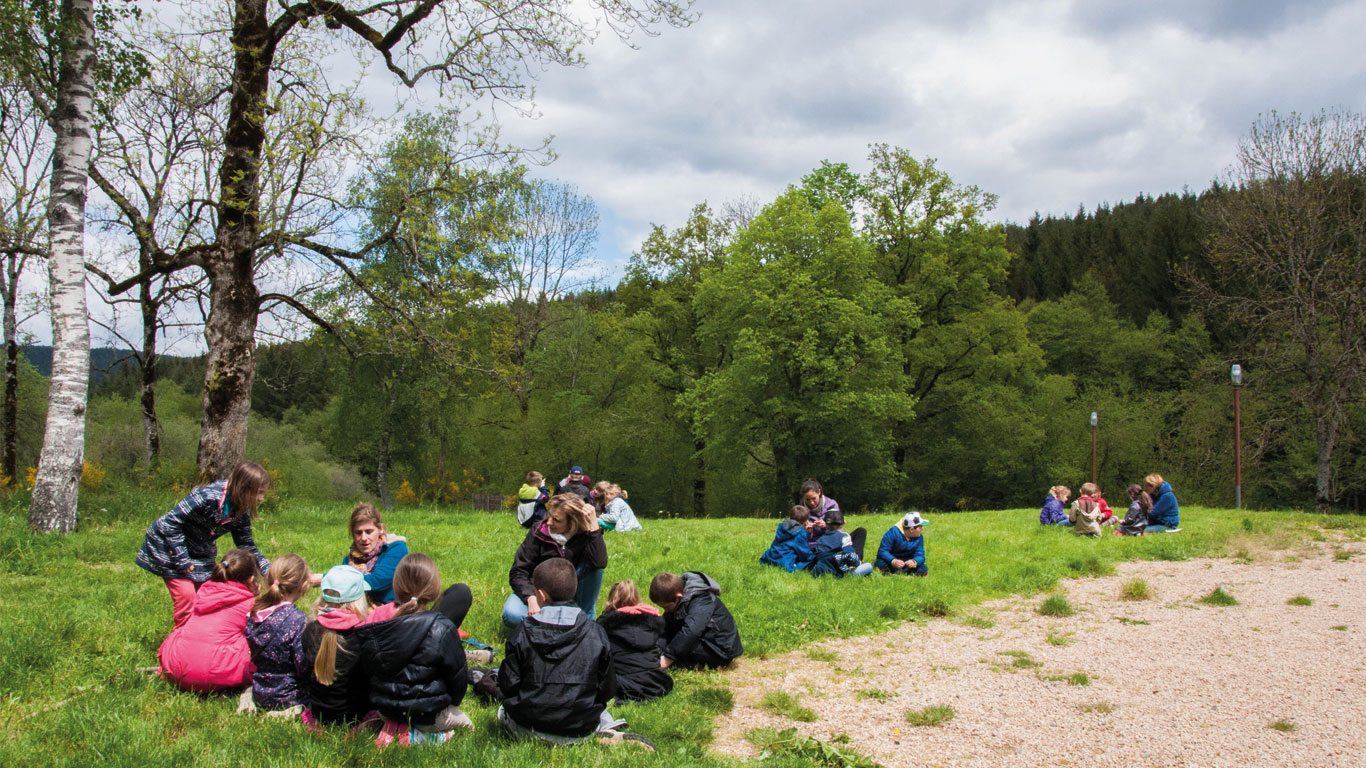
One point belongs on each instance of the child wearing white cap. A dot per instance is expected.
(903, 547)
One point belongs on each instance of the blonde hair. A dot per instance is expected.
(288, 576)
(246, 481)
(575, 508)
(325, 663)
(417, 582)
(616, 489)
(1058, 491)
(1152, 482)
(622, 594)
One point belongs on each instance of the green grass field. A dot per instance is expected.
(79, 617)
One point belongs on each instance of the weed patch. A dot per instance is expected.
(1056, 605)
(1299, 600)
(1059, 640)
(791, 747)
(874, 694)
(1285, 726)
(821, 654)
(929, 716)
(1219, 597)
(1135, 589)
(786, 705)
(1099, 707)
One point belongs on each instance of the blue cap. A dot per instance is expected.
(576, 470)
(343, 584)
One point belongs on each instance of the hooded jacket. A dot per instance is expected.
(896, 545)
(581, 549)
(275, 636)
(618, 516)
(180, 544)
(209, 651)
(790, 549)
(701, 619)
(557, 676)
(835, 555)
(415, 665)
(1053, 511)
(633, 633)
(1085, 516)
(348, 697)
(1166, 511)
(818, 514)
(1135, 521)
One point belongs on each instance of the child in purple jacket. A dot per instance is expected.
(1054, 512)
(275, 634)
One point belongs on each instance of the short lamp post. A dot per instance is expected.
(1236, 374)
(1094, 420)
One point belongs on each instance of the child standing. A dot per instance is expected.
(790, 549)
(1054, 506)
(633, 631)
(617, 515)
(415, 662)
(209, 651)
(275, 636)
(838, 553)
(698, 629)
(336, 688)
(902, 549)
(531, 499)
(1136, 520)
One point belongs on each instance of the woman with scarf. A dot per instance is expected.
(375, 553)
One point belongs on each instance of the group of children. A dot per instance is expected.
(613, 512)
(1153, 508)
(812, 538)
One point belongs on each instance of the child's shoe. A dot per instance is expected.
(482, 658)
(616, 738)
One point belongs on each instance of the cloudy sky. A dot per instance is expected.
(1049, 104)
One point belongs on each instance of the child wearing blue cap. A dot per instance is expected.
(336, 689)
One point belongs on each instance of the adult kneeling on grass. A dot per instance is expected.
(374, 553)
(570, 530)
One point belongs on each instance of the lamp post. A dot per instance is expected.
(1236, 374)
(1094, 419)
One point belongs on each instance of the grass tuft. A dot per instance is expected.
(821, 654)
(786, 705)
(1285, 726)
(930, 716)
(1219, 597)
(1101, 707)
(1299, 600)
(1059, 640)
(1021, 660)
(1056, 605)
(875, 694)
(1341, 627)
(1079, 678)
(1135, 589)
(1342, 555)
(980, 622)
(718, 701)
(1093, 565)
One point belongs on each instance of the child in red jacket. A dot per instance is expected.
(1092, 491)
(209, 652)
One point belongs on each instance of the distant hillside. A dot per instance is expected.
(104, 361)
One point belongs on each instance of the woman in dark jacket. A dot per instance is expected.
(570, 530)
(633, 631)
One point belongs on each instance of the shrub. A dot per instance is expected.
(930, 716)
(1056, 605)
(92, 477)
(406, 495)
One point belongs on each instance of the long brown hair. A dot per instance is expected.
(1145, 502)
(325, 663)
(246, 481)
(288, 576)
(417, 582)
(238, 565)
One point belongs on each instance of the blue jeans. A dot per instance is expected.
(590, 584)
(1159, 528)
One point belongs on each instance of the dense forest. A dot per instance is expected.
(876, 332)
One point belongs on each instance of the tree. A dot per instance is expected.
(1288, 263)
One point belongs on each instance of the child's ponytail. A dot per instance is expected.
(325, 663)
(238, 565)
(288, 576)
(416, 583)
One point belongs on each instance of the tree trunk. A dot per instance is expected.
(230, 332)
(386, 439)
(1325, 438)
(151, 430)
(55, 490)
(699, 480)
(9, 460)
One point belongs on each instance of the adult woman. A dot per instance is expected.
(570, 530)
(179, 547)
(375, 552)
(1166, 512)
(814, 498)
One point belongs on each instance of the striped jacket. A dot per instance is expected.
(184, 537)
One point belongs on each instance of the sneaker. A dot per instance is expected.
(1172, 530)
(616, 738)
(481, 658)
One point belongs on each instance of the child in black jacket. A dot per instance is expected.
(633, 630)
(698, 629)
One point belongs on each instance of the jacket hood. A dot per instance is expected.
(1166, 487)
(556, 631)
(397, 639)
(338, 619)
(217, 595)
(789, 525)
(639, 608)
(697, 582)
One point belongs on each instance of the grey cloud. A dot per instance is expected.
(1209, 18)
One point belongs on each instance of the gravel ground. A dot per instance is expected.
(1172, 681)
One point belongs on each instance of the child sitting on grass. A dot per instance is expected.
(698, 629)
(1085, 516)
(337, 690)
(616, 514)
(1092, 491)
(558, 676)
(209, 652)
(275, 635)
(790, 549)
(633, 631)
(838, 553)
(902, 549)
(1136, 520)
(531, 499)
(1054, 506)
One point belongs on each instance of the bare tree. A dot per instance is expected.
(1288, 262)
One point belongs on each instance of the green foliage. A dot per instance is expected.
(1135, 589)
(930, 716)
(1219, 597)
(1056, 639)
(1284, 726)
(786, 705)
(874, 694)
(787, 747)
(1056, 605)
(1299, 600)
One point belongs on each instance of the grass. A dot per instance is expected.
(1056, 605)
(1284, 726)
(821, 654)
(1135, 589)
(1299, 600)
(50, 656)
(929, 716)
(784, 704)
(1099, 707)
(1340, 627)
(875, 694)
(1342, 555)
(980, 622)
(1059, 639)
(1219, 597)
(1021, 660)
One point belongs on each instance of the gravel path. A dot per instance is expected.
(1172, 681)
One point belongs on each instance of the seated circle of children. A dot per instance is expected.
(1054, 510)
(557, 675)
(698, 628)
(1085, 516)
(1092, 491)
(531, 499)
(615, 514)
(415, 661)
(336, 687)
(375, 552)
(633, 631)
(902, 549)
(570, 530)
(209, 652)
(179, 546)
(814, 498)
(275, 634)
(1166, 512)
(1136, 520)
(790, 549)
(838, 553)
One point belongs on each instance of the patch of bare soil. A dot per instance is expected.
(1166, 681)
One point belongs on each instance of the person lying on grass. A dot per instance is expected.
(789, 549)
(902, 549)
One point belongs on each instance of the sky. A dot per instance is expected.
(1048, 104)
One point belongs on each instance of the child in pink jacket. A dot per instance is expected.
(209, 652)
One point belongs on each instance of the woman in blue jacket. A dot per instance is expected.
(1166, 512)
(375, 553)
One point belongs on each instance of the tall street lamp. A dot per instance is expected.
(1236, 374)
(1094, 419)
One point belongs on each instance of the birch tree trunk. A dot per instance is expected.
(9, 462)
(59, 465)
